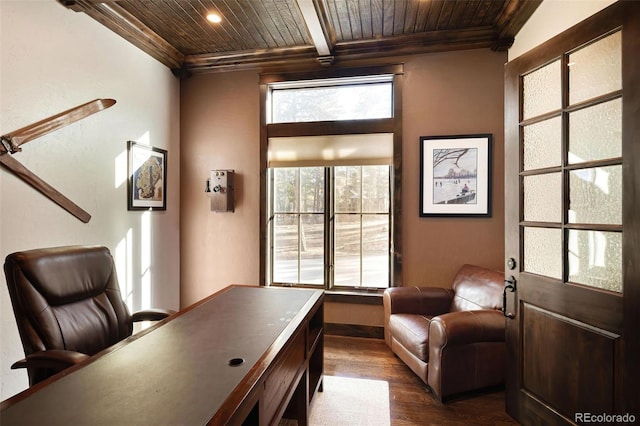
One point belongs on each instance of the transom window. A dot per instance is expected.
(353, 98)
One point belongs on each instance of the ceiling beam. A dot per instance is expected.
(314, 26)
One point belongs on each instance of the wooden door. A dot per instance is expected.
(572, 172)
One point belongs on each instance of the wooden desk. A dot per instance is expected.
(178, 373)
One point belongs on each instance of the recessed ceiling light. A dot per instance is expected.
(214, 17)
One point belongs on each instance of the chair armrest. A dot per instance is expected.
(465, 327)
(56, 359)
(151, 315)
(428, 301)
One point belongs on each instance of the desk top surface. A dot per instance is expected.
(178, 373)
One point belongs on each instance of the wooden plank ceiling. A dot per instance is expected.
(303, 33)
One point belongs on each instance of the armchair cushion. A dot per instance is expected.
(412, 332)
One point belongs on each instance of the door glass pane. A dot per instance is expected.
(543, 198)
(595, 69)
(543, 251)
(312, 248)
(541, 90)
(543, 144)
(285, 251)
(595, 259)
(375, 254)
(596, 195)
(595, 133)
(347, 250)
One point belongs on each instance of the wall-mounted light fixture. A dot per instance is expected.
(220, 189)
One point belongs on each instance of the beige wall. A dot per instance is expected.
(444, 94)
(451, 94)
(52, 59)
(219, 130)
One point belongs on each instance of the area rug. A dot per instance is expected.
(351, 402)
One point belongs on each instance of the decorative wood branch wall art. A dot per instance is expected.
(10, 144)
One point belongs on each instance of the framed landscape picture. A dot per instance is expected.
(455, 175)
(147, 167)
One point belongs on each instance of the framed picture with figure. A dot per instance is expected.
(147, 171)
(455, 175)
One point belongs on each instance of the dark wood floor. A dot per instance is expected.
(410, 401)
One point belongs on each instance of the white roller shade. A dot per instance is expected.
(331, 150)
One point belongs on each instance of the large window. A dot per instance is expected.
(329, 148)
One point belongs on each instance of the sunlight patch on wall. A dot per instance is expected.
(123, 260)
(145, 260)
(121, 169)
(144, 139)
(122, 161)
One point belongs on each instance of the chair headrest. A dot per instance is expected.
(64, 274)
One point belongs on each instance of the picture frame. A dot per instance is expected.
(455, 175)
(147, 171)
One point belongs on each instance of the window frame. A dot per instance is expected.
(387, 125)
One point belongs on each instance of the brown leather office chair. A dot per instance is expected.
(68, 306)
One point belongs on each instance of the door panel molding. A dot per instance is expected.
(565, 353)
(598, 308)
(539, 412)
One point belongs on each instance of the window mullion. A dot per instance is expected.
(361, 226)
(299, 216)
(270, 226)
(329, 224)
(361, 249)
(299, 254)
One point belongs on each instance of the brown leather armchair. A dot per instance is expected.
(68, 306)
(453, 339)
